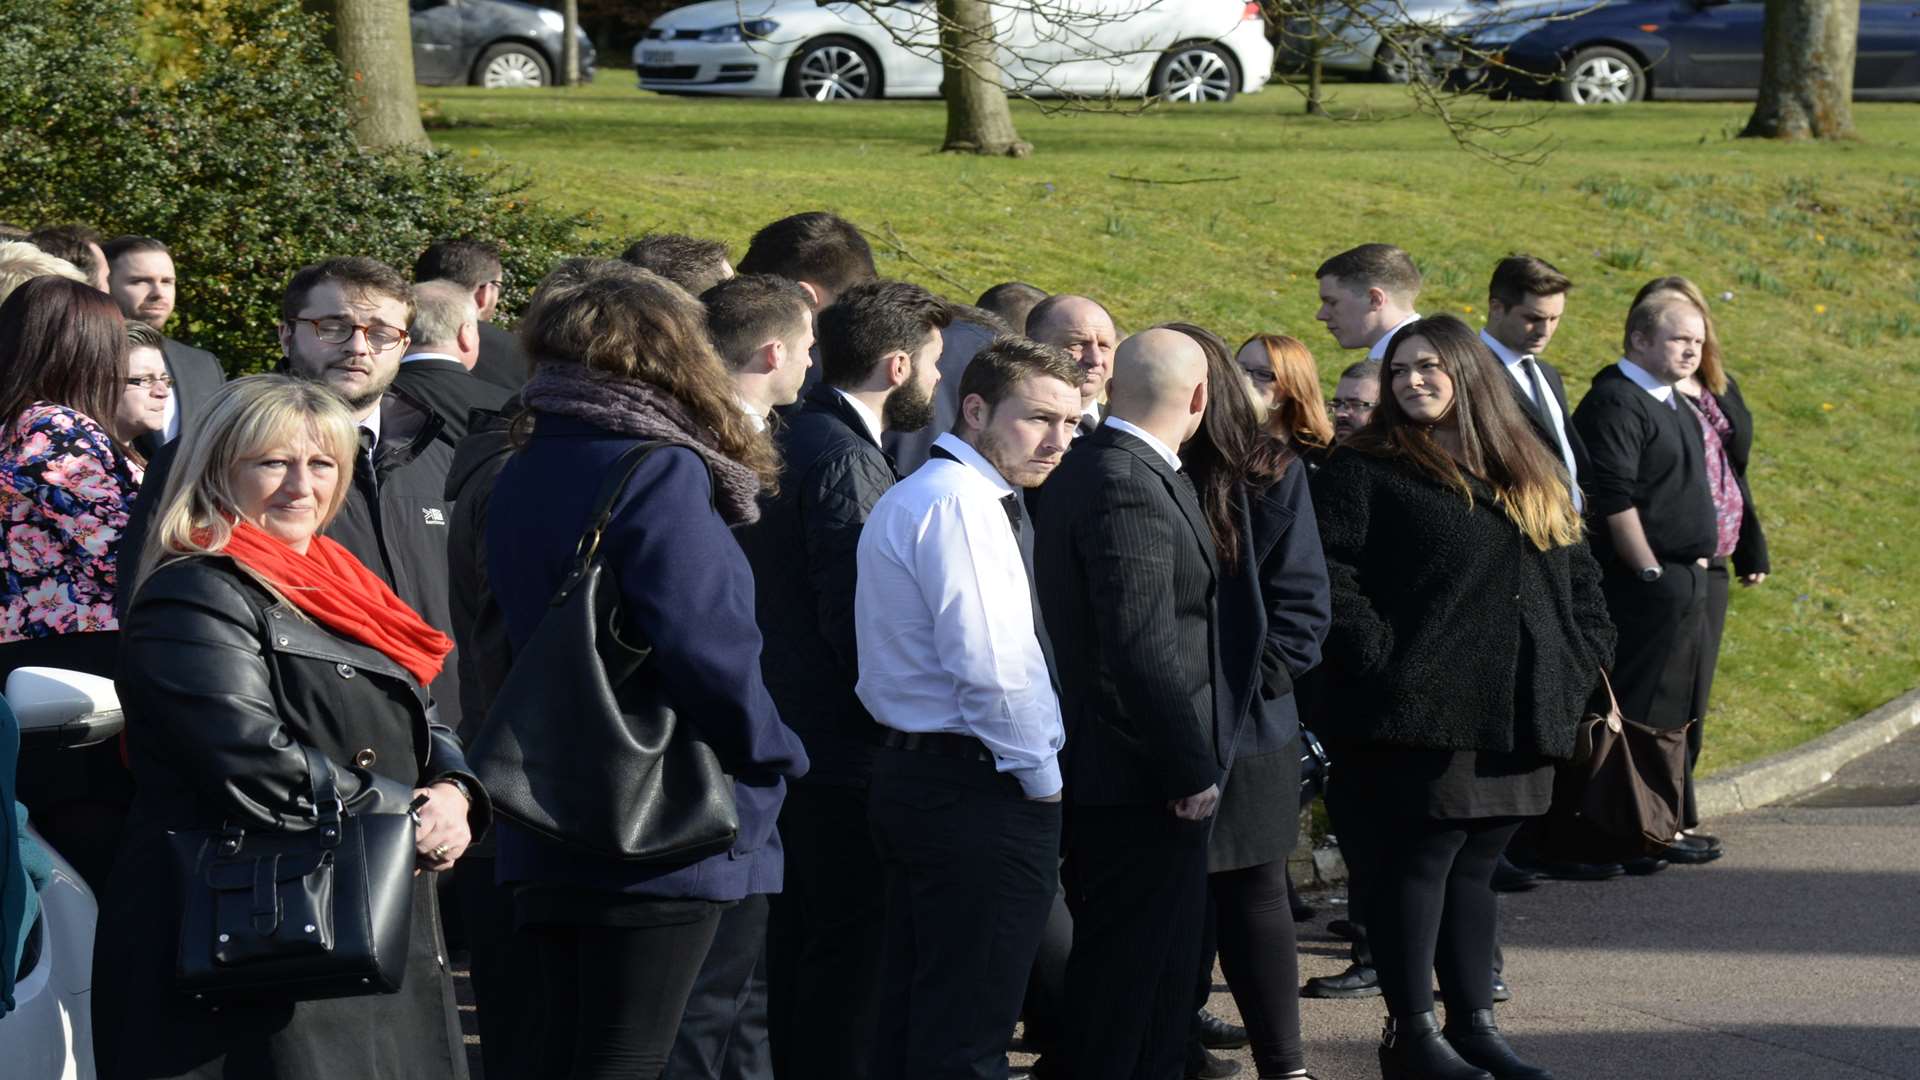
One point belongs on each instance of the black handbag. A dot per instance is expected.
(287, 915)
(582, 745)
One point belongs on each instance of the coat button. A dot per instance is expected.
(283, 639)
(345, 670)
(365, 758)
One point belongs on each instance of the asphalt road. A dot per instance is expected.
(1796, 956)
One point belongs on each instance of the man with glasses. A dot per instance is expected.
(141, 280)
(1354, 398)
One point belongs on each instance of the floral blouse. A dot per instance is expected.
(64, 494)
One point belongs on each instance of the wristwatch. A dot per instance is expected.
(1651, 574)
(459, 785)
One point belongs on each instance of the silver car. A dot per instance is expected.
(1359, 37)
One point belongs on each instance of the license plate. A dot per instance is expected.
(1445, 55)
(656, 57)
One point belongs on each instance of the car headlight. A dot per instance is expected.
(738, 32)
(1506, 33)
(552, 20)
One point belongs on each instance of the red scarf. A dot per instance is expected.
(342, 595)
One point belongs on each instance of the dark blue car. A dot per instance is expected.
(1606, 52)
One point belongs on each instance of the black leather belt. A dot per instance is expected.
(1718, 562)
(938, 742)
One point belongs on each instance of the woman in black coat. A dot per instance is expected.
(1726, 427)
(1273, 613)
(239, 651)
(1468, 633)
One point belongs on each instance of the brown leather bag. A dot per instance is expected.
(1631, 781)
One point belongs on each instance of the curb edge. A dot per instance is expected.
(1805, 767)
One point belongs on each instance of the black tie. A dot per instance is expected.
(1537, 404)
(1012, 504)
(366, 459)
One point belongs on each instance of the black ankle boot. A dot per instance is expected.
(1479, 1041)
(1411, 1049)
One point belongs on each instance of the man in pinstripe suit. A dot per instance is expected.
(1126, 574)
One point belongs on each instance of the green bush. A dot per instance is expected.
(221, 126)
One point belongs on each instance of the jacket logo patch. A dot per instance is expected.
(433, 515)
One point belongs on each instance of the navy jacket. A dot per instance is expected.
(1274, 612)
(803, 556)
(686, 586)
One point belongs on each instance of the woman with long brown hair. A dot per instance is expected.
(1272, 615)
(1284, 378)
(622, 358)
(1726, 429)
(1468, 633)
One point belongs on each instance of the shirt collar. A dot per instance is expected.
(1092, 412)
(967, 455)
(1166, 454)
(1640, 377)
(411, 357)
(867, 416)
(1501, 352)
(754, 417)
(1379, 350)
(372, 423)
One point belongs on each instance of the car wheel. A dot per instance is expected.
(834, 69)
(509, 64)
(1400, 65)
(1602, 75)
(1195, 72)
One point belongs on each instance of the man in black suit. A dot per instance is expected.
(141, 280)
(1084, 329)
(475, 265)
(1525, 301)
(442, 348)
(879, 347)
(1127, 582)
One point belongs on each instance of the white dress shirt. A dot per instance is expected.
(170, 419)
(1660, 391)
(943, 616)
(754, 416)
(867, 416)
(1379, 349)
(1512, 362)
(1166, 452)
(411, 357)
(1089, 419)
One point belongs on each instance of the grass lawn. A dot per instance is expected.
(1818, 246)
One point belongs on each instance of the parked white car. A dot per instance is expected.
(1182, 50)
(49, 1033)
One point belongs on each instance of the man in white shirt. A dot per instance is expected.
(763, 329)
(1367, 293)
(1525, 301)
(1085, 331)
(965, 802)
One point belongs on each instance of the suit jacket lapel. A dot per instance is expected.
(1182, 491)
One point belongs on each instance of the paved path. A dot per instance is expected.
(1796, 957)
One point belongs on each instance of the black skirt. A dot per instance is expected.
(1446, 784)
(1259, 817)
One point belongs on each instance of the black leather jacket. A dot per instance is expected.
(221, 682)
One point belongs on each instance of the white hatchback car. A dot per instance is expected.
(1181, 50)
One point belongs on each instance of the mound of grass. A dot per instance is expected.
(1809, 250)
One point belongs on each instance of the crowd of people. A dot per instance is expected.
(1002, 629)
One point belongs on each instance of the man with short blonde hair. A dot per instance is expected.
(21, 262)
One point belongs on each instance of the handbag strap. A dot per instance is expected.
(327, 805)
(603, 504)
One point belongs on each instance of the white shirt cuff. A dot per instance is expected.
(1042, 781)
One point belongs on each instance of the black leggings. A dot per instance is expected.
(1259, 958)
(614, 994)
(1431, 911)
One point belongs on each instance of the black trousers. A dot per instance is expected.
(1719, 596)
(1354, 825)
(1253, 920)
(723, 1032)
(1045, 1011)
(972, 866)
(1136, 881)
(1431, 911)
(1662, 665)
(614, 994)
(824, 937)
(506, 978)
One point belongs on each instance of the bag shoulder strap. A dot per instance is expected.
(603, 504)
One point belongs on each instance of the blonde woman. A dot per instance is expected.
(251, 637)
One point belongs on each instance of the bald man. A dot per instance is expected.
(1126, 573)
(1085, 330)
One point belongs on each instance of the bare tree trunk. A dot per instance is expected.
(375, 44)
(1316, 105)
(570, 43)
(978, 119)
(1806, 71)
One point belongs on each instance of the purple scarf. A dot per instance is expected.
(631, 407)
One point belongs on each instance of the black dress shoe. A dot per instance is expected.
(1700, 839)
(1358, 981)
(1501, 992)
(1218, 1034)
(1343, 928)
(1510, 878)
(1579, 871)
(1411, 1048)
(1209, 1066)
(1646, 864)
(1480, 1043)
(1689, 855)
